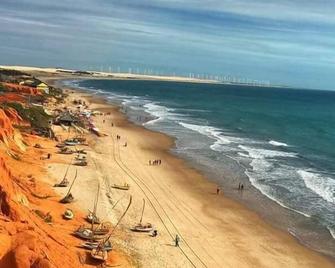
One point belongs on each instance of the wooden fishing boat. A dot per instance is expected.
(143, 228)
(81, 151)
(107, 246)
(92, 215)
(124, 187)
(60, 145)
(87, 234)
(71, 143)
(68, 214)
(80, 157)
(63, 183)
(91, 234)
(65, 150)
(69, 197)
(140, 227)
(92, 218)
(81, 163)
(99, 254)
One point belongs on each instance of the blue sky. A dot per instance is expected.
(286, 42)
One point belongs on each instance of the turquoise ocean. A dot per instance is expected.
(278, 142)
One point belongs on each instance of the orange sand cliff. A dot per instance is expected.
(26, 240)
(8, 117)
(22, 89)
(11, 97)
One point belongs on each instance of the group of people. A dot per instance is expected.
(155, 162)
(118, 137)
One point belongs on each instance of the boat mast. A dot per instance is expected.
(96, 203)
(67, 170)
(124, 213)
(75, 177)
(142, 211)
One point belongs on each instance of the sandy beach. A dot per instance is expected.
(214, 231)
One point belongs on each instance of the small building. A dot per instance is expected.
(27, 82)
(43, 88)
(67, 119)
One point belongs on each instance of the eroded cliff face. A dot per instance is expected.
(9, 136)
(20, 245)
(22, 89)
(11, 97)
(6, 187)
(6, 128)
(26, 240)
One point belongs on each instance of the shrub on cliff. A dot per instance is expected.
(36, 115)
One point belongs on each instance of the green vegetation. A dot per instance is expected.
(57, 93)
(36, 115)
(9, 72)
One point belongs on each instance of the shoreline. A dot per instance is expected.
(292, 222)
(208, 185)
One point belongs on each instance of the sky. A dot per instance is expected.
(290, 42)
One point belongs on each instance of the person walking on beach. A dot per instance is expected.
(176, 240)
(242, 187)
(217, 190)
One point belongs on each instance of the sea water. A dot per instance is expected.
(278, 142)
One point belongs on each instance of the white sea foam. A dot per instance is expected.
(258, 153)
(321, 185)
(208, 131)
(331, 231)
(213, 133)
(277, 143)
(160, 112)
(263, 165)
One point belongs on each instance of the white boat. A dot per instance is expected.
(140, 227)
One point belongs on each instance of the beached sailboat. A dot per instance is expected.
(93, 244)
(60, 145)
(69, 197)
(140, 227)
(65, 150)
(81, 163)
(89, 233)
(100, 253)
(92, 215)
(124, 186)
(64, 182)
(80, 157)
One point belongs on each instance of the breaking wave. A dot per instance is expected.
(277, 143)
(322, 186)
